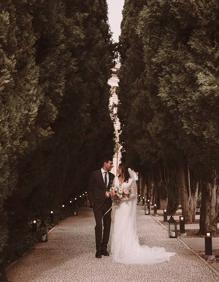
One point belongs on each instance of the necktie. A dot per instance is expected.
(105, 178)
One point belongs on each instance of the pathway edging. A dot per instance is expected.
(188, 247)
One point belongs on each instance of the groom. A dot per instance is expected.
(98, 192)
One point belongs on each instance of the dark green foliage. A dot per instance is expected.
(169, 88)
(55, 60)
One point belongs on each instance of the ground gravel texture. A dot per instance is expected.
(69, 255)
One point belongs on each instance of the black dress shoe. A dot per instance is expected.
(98, 255)
(105, 253)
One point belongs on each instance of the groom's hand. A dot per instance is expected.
(107, 194)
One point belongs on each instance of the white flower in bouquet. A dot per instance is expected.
(119, 193)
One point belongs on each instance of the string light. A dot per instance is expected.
(165, 215)
(34, 225)
(52, 217)
(182, 224)
(155, 209)
(147, 209)
(172, 227)
(208, 244)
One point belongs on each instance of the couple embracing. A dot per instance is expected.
(125, 247)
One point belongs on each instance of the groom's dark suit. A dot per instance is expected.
(96, 193)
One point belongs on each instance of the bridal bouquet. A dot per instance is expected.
(118, 193)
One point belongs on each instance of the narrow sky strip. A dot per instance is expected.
(115, 17)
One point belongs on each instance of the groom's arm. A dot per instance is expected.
(111, 183)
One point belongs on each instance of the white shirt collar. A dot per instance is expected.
(103, 170)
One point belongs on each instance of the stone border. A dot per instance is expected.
(188, 247)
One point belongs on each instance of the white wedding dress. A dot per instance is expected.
(125, 247)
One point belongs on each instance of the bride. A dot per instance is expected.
(125, 247)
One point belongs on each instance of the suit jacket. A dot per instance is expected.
(97, 188)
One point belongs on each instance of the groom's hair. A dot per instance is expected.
(106, 160)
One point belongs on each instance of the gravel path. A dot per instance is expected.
(69, 256)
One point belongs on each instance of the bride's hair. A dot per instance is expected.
(124, 171)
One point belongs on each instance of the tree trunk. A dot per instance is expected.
(172, 191)
(157, 182)
(149, 189)
(193, 204)
(183, 192)
(162, 189)
(140, 184)
(205, 208)
(214, 208)
(143, 186)
(209, 207)
(188, 193)
(192, 198)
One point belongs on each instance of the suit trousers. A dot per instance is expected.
(103, 223)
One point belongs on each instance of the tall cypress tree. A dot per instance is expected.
(167, 122)
(55, 127)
